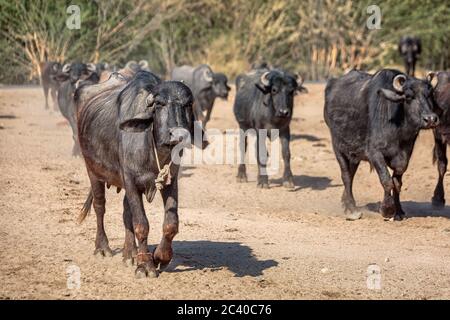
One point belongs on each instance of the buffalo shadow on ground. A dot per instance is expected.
(311, 182)
(416, 209)
(217, 255)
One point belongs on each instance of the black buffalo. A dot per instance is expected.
(133, 67)
(128, 71)
(442, 131)
(377, 118)
(410, 49)
(265, 100)
(103, 66)
(127, 132)
(206, 87)
(70, 77)
(49, 71)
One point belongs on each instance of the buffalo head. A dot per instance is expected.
(220, 85)
(165, 108)
(76, 72)
(279, 89)
(416, 97)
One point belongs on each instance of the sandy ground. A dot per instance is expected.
(235, 240)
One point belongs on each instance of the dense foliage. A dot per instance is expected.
(316, 37)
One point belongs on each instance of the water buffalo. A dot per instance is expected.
(410, 48)
(127, 131)
(264, 100)
(442, 131)
(128, 71)
(206, 87)
(70, 76)
(102, 66)
(377, 118)
(49, 71)
(261, 65)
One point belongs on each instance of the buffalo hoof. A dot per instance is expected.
(76, 154)
(162, 259)
(438, 203)
(241, 178)
(263, 185)
(145, 271)
(387, 209)
(103, 252)
(353, 216)
(288, 184)
(163, 266)
(140, 273)
(129, 262)
(129, 255)
(399, 216)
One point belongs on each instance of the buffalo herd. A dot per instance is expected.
(127, 121)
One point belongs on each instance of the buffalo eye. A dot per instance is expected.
(274, 91)
(159, 102)
(409, 97)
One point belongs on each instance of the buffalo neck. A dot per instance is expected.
(161, 154)
(390, 121)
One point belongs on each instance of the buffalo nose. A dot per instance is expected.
(284, 112)
(178, 135)
(430, 120)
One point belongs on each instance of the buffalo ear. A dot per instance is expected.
(302, 89)
(142, 120)
(391, 95)
(432, 78)
(263, 89)
(138, 123)
(62, 76)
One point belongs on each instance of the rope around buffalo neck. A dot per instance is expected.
(164, 178)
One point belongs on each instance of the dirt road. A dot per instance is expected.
(235, 240)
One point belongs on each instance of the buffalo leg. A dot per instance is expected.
(101, 241)
(164, 253)
(288, 179)
(242, 175)
(399, 213)
(129, 247)
(76, 150)
(54, 99)
(348, 170)
(440, 154)
(144, 258)
(198, 113)
(387, 207)
(408, 68)
(261, 157)
(207, 117)
(46, 95)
